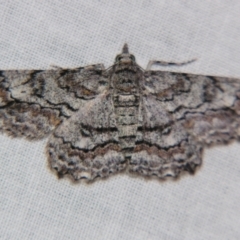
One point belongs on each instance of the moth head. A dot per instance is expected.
(125, 57)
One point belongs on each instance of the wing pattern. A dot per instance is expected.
(34, 102)
(195, 112)
(100, 122)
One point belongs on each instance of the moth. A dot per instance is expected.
(104, 121)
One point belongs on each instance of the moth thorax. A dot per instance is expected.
(125, 82)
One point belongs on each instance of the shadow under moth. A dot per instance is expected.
(103, 121)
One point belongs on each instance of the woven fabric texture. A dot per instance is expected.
(35, 204)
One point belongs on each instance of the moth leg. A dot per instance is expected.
(166, 64)
(89, 67)
(55, 67)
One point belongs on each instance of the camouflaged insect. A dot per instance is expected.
(100, 122)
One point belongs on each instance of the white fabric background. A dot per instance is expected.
(35, 205)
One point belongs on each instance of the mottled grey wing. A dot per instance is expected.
(34, 102)
(183, 113)
(86, 145)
